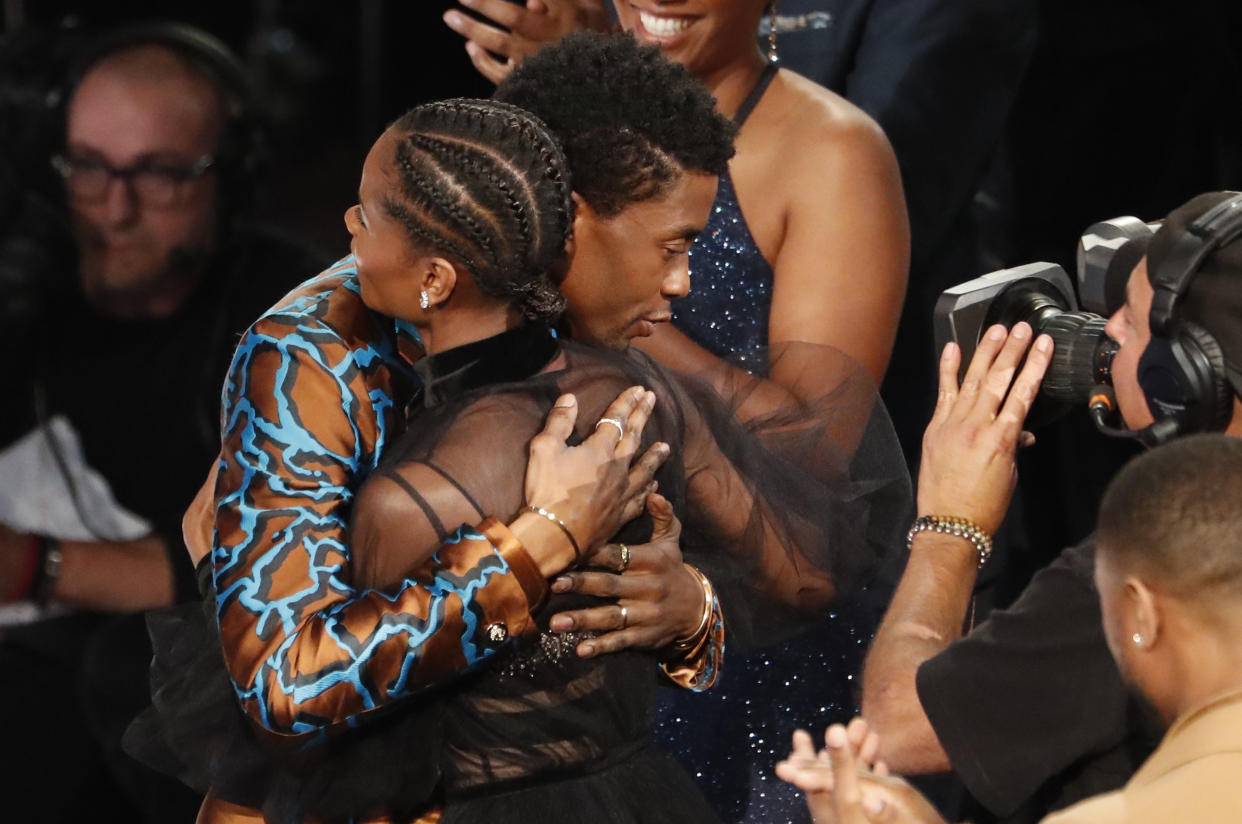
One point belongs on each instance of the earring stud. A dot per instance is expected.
(424, 302)
(1137, 639)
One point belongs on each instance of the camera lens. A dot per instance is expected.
(1082, 354)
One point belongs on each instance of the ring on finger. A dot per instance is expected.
(620, 426)
(625, 617)
(625, 559)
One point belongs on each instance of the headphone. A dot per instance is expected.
(241, 146)
(1182, 370)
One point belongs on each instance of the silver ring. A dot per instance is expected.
(620, 426)
(625, 617)
(625, 559)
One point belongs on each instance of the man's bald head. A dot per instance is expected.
(144, 107)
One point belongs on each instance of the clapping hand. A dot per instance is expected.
(844, 784)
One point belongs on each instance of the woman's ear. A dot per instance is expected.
(438, 279)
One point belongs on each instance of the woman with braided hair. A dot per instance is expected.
(465, 210)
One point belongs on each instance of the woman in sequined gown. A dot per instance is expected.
(807, 241)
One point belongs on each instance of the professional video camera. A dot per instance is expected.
(1041, 294)
(36, 249)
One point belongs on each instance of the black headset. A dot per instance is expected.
(1182, 370)
(241, 147)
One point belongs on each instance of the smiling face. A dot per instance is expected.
(382, 250)
(703, 35)
(627, 268)
(1129, 326)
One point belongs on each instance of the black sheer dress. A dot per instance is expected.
(780, 514)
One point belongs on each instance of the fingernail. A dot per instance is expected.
(467, 3)
(564, 401)
(452, 19)
(560, 584)
(1022, 331)
(561, 623)
(835, 736)
(997, 332)
(586, 650)
(662, 448)
(637, 392)
(873, 804)
(1044, 344)
(650, 399)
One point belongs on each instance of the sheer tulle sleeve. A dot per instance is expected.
(799, 502)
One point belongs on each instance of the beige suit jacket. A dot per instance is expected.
(1195, 775)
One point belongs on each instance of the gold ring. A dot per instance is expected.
(625, 617)
(625, 559)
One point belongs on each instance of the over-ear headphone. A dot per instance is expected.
(240, 152)
(1182, 370)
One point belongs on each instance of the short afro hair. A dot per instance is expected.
(631, 121)
(1175, 513)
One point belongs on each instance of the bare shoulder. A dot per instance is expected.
(818, 129)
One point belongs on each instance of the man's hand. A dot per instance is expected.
(529, 27)
(842, 786)
(592, 488)
(662, 599)
(968, 468)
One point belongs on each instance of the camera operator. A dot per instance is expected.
(1027, 708)
(113, 408)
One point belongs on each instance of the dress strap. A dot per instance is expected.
(752, 99)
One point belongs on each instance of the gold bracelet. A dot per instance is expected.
(953, 525)
(692, 640)
(551, 516)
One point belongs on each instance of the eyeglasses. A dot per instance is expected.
(155, 184)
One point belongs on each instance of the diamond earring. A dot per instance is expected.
(772, 58)
(424, 302)
(1137, 639)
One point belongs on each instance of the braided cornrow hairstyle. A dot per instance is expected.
(631, 120)
(487, 184)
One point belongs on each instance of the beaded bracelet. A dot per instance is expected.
(952, 525)
(551, 516)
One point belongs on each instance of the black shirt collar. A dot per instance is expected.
(510, 356)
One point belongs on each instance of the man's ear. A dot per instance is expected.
(438, 278)
(584, 218)
(1145, 613)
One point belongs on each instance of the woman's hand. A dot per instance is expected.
(663, 601)
(520, 30)
(592, 488)
(968, 469)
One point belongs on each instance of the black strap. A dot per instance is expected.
(752, 99)
(432, 518)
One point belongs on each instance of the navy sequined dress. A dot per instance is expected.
(731, 737)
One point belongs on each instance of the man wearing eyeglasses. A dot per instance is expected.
(114, 410)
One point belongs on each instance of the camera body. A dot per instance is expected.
(1043, 295)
